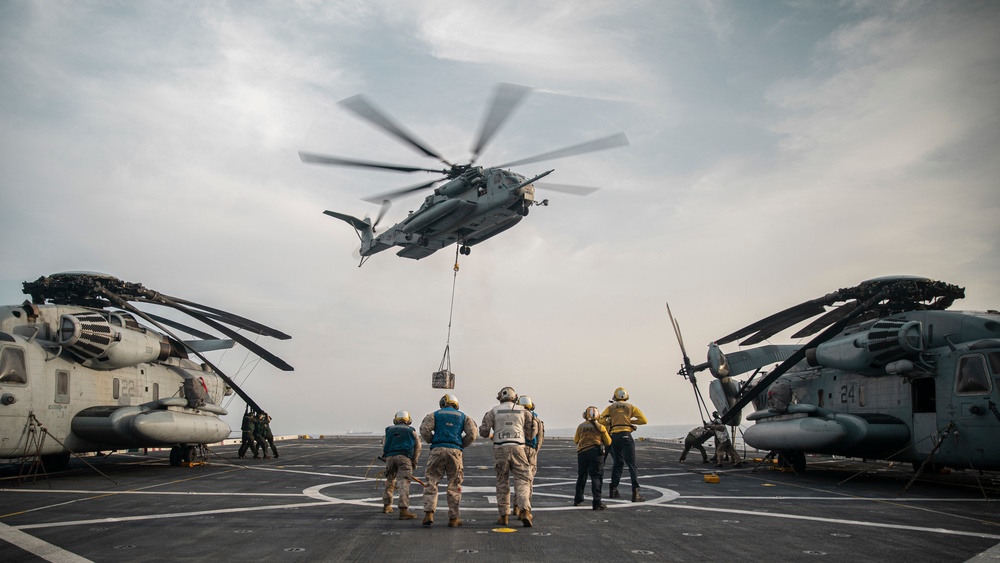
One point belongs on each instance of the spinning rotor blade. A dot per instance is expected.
(567, 188)
(604, 143)
(506, 98)
(312, 158)
(386, 204)
(365, 110)
(385, 196)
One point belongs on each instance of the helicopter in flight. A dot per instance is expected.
(79, 373)
(892, 375)
(474, 204)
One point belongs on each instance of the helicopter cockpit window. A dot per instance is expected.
(972, 376)
(13, 368)
(995, 362)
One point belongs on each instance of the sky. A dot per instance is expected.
(778, 151)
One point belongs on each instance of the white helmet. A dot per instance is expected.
(525, 401)
(507, 395)
(590, 413)
(401, 417)
(621, 394)
(448, 400)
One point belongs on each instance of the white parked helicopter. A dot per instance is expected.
(79, 373)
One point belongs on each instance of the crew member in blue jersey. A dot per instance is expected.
(448, 431)
(401, 451)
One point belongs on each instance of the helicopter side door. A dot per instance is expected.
(923, 395)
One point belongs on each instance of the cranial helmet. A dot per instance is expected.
(402, 417)
(590, 413)
(507, 395)
(525, 401)
(448, 400)
(621, 394)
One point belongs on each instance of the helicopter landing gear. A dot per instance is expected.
(795, 460)
(182, 454)
(465, 250)
(422, 241)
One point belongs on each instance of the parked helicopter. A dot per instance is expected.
(893, 375)
(474, 205)
(79, 373)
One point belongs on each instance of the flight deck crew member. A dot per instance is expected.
(694, 439)
(531, 448)
(448, 431)
(266, 432)
(258, 435)
(401, 450)
(621, 419)
(247, 439)
(510, 425)
(591, 438)
(723, 443)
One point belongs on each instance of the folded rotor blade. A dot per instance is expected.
(567, 188)
(604, 143)
(312, 158)
(384, 196)
(183, 328)
(777, 322)
(830, 317)
(367, 111)
(235, 320)
(506, 98)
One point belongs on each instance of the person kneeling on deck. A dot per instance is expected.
(591, 438)
(401, 451)
(510, 425)
(448, 431)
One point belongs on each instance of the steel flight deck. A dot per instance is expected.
(314, 504)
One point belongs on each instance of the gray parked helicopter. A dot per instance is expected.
(79, 373)
(893, 375)
(474, 205)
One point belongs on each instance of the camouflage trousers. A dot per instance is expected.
(532, 455)
(726, 448)
(511, 461)
(444, 461)
(398, 470)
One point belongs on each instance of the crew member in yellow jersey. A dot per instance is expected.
(591, 438)
(621, 418)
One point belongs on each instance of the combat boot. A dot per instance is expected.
(454, 522)
(405, 514)
(526, 518)
(428, 518)
(613, 493)
(387, 509)
(636, 497)
(502, 521)
(514, 509)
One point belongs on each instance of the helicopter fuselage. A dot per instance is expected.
(467, 210)
(912, 387)
(77, 379)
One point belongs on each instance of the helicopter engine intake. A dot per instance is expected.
(887, 340)
(99, 344)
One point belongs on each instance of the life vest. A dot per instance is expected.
(449, 424)
(534, 441)
(508, 424)
(399, 440)
(247, 424)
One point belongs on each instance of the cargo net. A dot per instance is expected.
(443, 378)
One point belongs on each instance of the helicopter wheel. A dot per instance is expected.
(188, 453)
(795, 460)
(421, 241)
(465, 250)
(175, 456)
